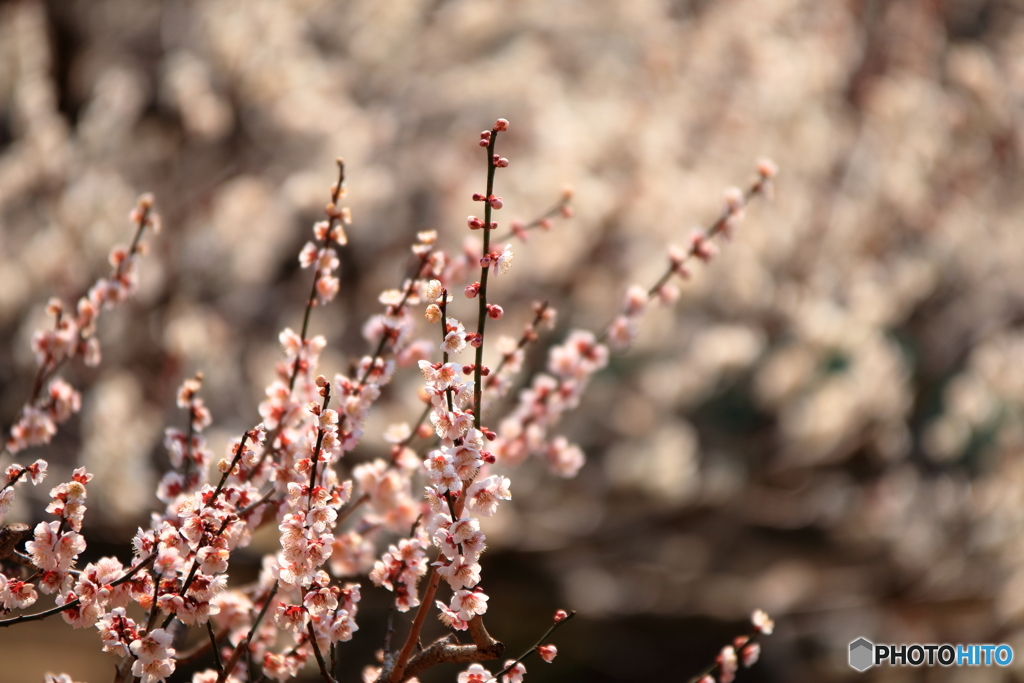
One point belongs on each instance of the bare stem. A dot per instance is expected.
(533, 648)
(484, 270)
(243, 646)
(319, 656)
(539, 220)
(426, 603)
(213, 646)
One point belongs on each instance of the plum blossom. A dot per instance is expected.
(15, 594)
(468, 604)
(504, 260)
(460, 573)
(728, 664)
(476, 673)
(482, 496)
(762, 622)
(516, 671)
(455, 337)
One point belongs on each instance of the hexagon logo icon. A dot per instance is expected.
(862, 654)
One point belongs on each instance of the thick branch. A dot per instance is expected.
(444, 651)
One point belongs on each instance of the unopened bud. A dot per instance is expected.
(474, 223)
(560, 616)
(495, 311)
(496, 202)
(766, 168)
(472, 290)
(750, 654)
(477, 197)
(701, 247)
(501, 124)
(734, 200)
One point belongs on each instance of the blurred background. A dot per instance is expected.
(830, 423)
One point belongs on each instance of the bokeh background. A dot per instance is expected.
(830, 423)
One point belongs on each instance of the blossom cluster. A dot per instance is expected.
(52, 400)
(411, 522)
(743, 650)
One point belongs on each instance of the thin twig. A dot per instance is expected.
(319, 656)
(533, 648)
(213, 646)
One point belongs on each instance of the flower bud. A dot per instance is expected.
(496, 202)
(474, 223)
(733, 200)
(494, 311)
(519, 230)
(501, 124)
(766, 168)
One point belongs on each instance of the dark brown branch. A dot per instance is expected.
(319, 656)
(547, 634)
